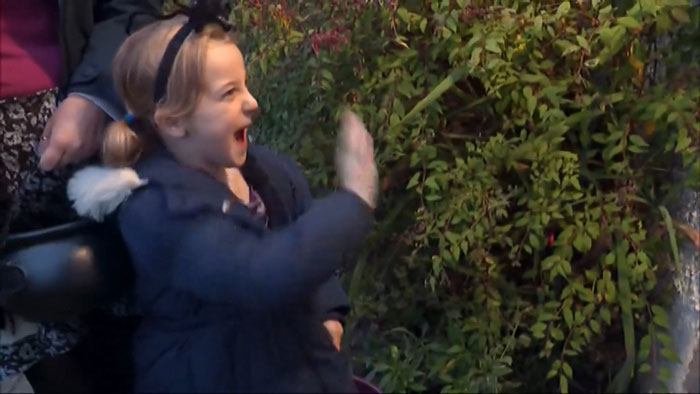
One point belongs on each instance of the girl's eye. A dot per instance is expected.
(229, 92)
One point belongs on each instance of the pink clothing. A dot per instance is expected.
(30, 55)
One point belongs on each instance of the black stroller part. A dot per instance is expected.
(63, 271)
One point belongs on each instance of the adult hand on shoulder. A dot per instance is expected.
(355, 159)
(72, 134)
(336, 330)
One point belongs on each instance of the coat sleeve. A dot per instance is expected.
(330, 299)
(93, 76)
(213, 257)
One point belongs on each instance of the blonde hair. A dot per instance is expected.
(134, 71)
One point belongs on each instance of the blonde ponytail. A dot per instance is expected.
(121, 146)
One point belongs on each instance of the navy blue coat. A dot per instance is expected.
(229, 304)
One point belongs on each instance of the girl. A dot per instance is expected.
(234, 263)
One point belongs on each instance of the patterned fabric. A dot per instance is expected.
(23, 343)
(41, 201)
(42, 196)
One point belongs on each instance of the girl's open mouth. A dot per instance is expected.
(240, 135)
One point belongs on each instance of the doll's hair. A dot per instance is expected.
(134, 71)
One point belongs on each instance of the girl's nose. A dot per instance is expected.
(251, 104)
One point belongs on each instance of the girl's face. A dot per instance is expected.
(217, 130)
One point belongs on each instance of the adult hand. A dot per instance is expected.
(336, 330)
(355, 159)
(73, 133)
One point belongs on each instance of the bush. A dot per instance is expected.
(526, 152)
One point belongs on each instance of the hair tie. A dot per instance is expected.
(129, 119)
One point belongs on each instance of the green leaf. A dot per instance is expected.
(538, 330)
(664, 339)
(431, 183)
(568, 317)
(295, 36)
(660, 317)
(638, 141)
(605, 314)
(402, 13)
(549, 262)
(566, 267)
(613, 38)
(680, 15)
(593, 229)
(452, 237)
(436, 93)
(591, 275)
(636, 149)
(534, 78)
(611, 151)
(492, 45)
(649, 6)
(629, 22)
(595, 326)
(552, 373)
(592, 63)
(582, 243)
(405, 88)
(670, 355)
(609, 259)
(413, 181)
(464, 245)
(683, 139)
(557, 333)
(672, 236)
(563, 383)
(583, 42)
(643, 258)
(623, 377)
(611, 292)
(524, 340)
(644, 368)
(327, 75)
(476, 57)
(530, 99)
(537, 23)
(455, 349)
(586, 295)
(567, 370)
(433, 197)
(563, 9)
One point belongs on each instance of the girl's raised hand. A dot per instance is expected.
(354, 159)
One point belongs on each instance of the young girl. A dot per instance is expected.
(234, 262)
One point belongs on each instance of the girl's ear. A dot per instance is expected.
(169, 125)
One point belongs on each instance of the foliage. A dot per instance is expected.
(526, 151)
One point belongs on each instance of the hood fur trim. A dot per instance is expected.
(97, 191)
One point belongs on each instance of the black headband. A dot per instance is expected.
(200, 13)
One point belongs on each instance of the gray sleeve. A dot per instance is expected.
(92, 78)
